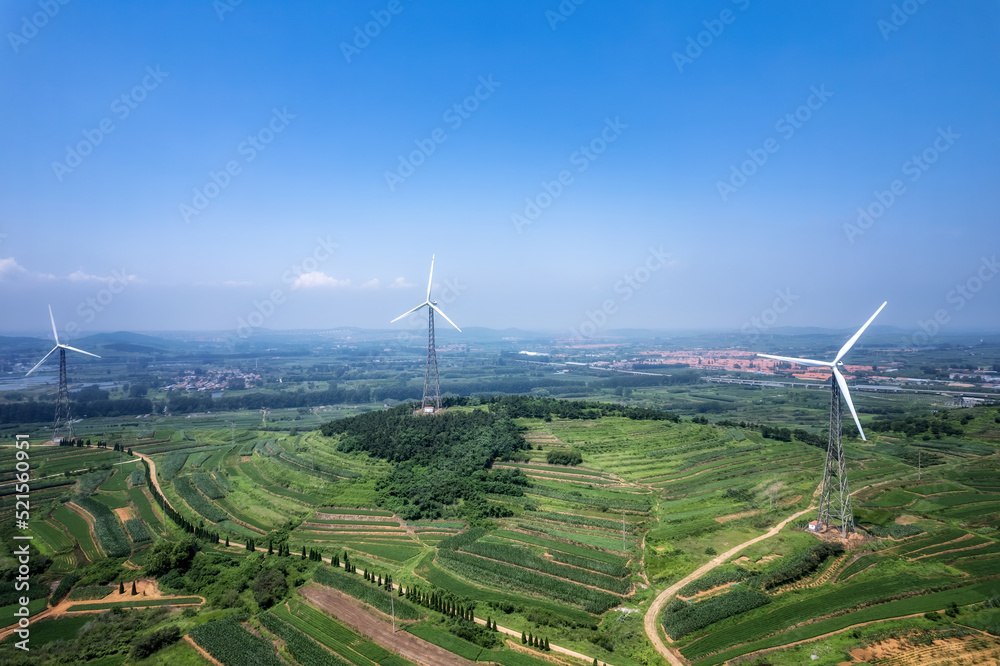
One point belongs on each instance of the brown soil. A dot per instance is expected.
(956, 651)
(124, 513)
(906, 519)
(733, 516)
(763, 560)
(146, 588)
(352, 516)
(346, 610)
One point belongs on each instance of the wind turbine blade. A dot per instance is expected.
(799, 361)
(850, 343)
(438, 310)
(408, 312)
(53, 320)
(430, 279)
(850, 404)
(42, 361)
(79, 350)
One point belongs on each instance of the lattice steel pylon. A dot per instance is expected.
(63, 421)
(432, 381)
(835, 495)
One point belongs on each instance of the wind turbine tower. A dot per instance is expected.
(62, 421)
(432, 381)
(835, 495)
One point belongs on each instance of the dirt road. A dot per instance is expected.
(662, 598)
(153, 479)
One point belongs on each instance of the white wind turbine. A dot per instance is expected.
(835, 471)
(62, 418)
(432, 381)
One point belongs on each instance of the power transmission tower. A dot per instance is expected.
(62, 423)
(432, 381)
(835, 496)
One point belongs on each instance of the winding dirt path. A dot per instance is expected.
(153, 479)
(663, 597)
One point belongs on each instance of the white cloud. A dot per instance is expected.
(116, 276)
(401, 283)
(371, 284)
(10, 267)
(237, 283)
(319, 279)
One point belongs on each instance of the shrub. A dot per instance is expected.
(150, 643)
(560, 457)
(680, 619)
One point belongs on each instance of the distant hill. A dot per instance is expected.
(19, 343)
(125, 341)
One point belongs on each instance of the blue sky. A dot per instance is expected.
(182, 166)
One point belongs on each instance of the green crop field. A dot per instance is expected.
(456, 507)
(79, 530)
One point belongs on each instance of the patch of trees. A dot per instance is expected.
(681, 618)
(34, 412)
(791, 569)
(153, 641)
(563, 457)
(675, 379)
(519, 406)
(782, 434)
(474, 633)
(912, 426)
(438, 460)
(113, 632)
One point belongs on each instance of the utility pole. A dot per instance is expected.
(233, 435)
(918, 464)
(623, 530)
(392, 603)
